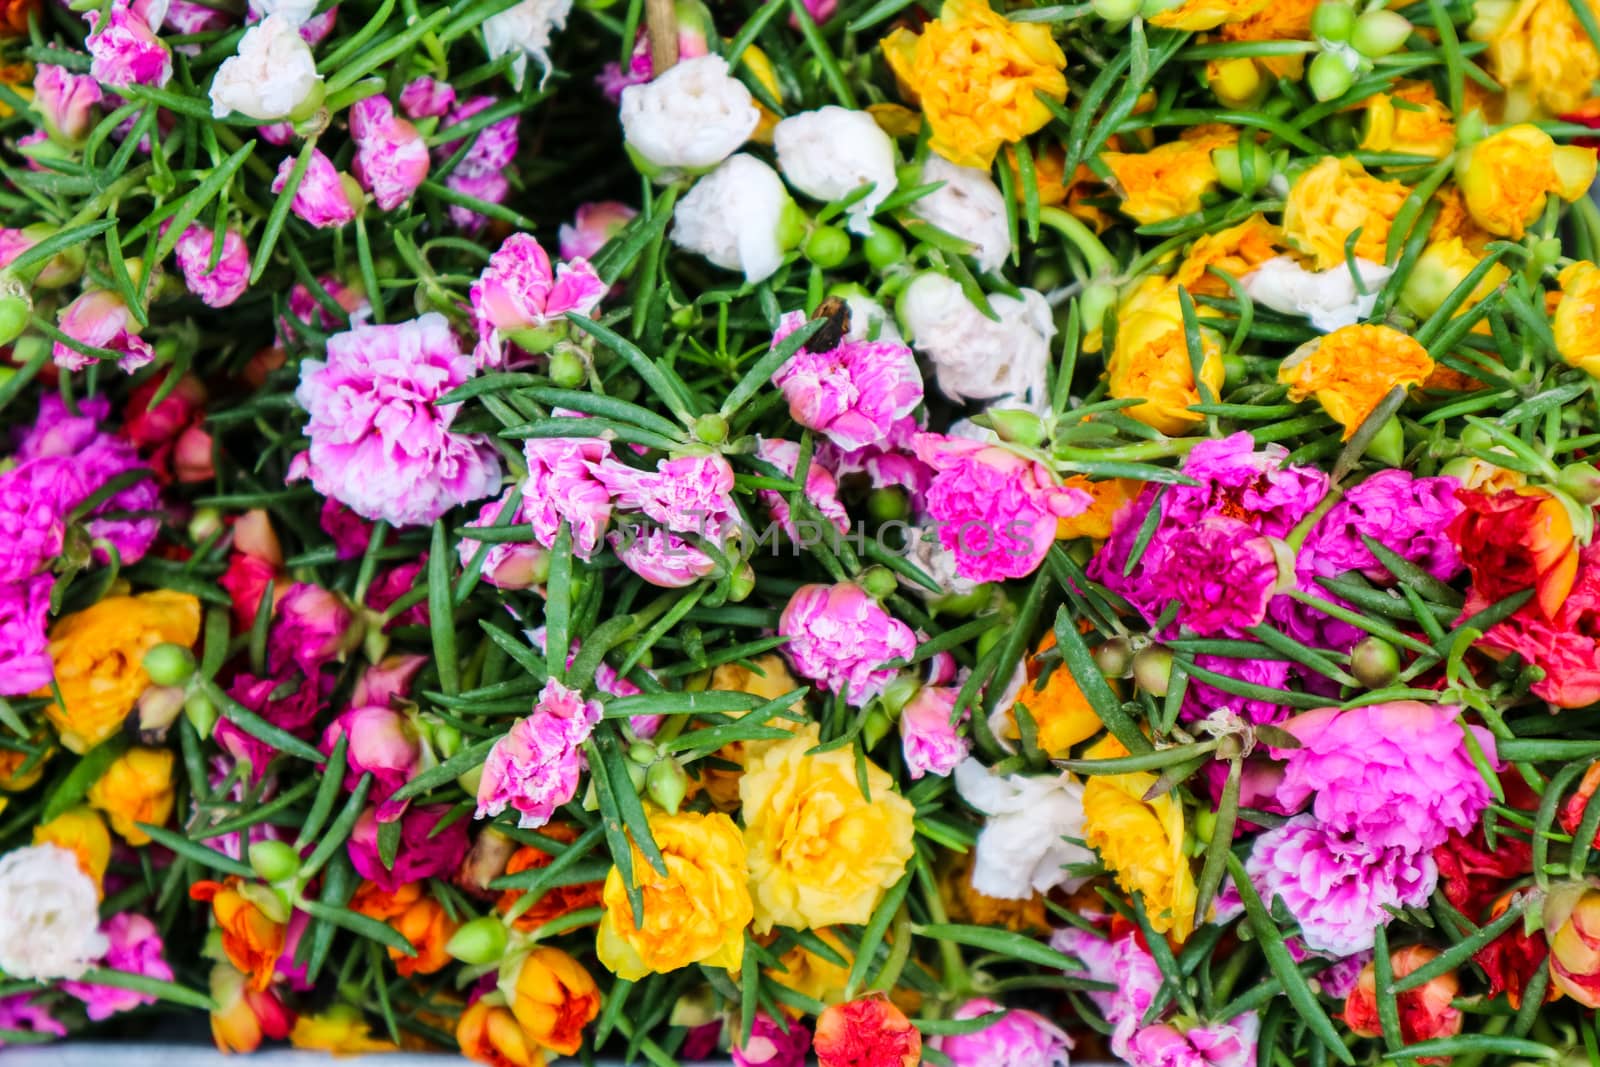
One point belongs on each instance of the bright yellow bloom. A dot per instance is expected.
(1141, 842)
(820, 851)
(1411, 120)
(978, 76)
(812, 975)
(136, 788)
(98, 655)
(1577, 319)
(1060, 711)
(1507, 177)
(1333, 199)
(1281, 20)
(1352, 369)
(1151, 360)
(1442, 266)
(340, 1030)
(767, 677)
(1194, 15)
(1238, 250)
(1168, 181)
(695, 913)
(81, 832)
(1539, 51)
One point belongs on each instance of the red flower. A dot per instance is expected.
(246, 581)
(1425, 1011)
(1564, 644)
(1512, 959)
(170, 433)
(1472, 875)
(867, 1032)
(1517, 539)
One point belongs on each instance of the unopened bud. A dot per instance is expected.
(158, 708)
(636, 776)
(1581, 481)
(567, 368)
(1232, 160)
(201, 713)
(469, 780)
(1115, 10)
(878, 581)
(792, 225)
(883, 247)
(1380, 32)
(1329, 77)
(1333, 20)
(741, 584)
(711, 429)
(15, 308)
(1375, 663)
(1114, 658)
(1017, 427)
(1152, 670)
(667, 784)
(274, 861)
(827, 247)
(898, 693)
(875, 729)
(643, 753)
(479, 942)
(1237, 82)
(1388, 445)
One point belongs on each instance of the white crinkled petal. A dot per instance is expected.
(829, 153)
(691, 118)
(968, 205)
(973, 356)
(1328, 298)
(49, 915)
(525, 31)
(732, 215)
(270, 77)
(1023, 849)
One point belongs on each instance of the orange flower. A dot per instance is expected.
(1282, 20)
(1238, 250)
(1168, 181)
(13, 779)
(1333, 199)
(340, 1030)
(1049, 175)
(490, 1034)
(375, 902)
(1454, 221)
(867, 1032)
(14, 16)
(556, 901)
(1539, 51)
(244, 1016)
(429, 928)
(1420, 124)
(1107, 498)
(1425, 1012)
(253, 941)
(1058, 707)
(1352, 369)
(965, 904)
(553, 998)
(1517, 539)
(1207, 14)
(136, 788)
(81, 832)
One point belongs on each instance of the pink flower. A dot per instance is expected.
(1202, 698)
(535, 767)
(493, 147)
(426, 850)
(1018, 1039)
(350, 532)
(313, 627)
(22, 1012)
(380, 441)
(840, 638)
(394, 583)
(491, 187)
(1242, 483)
(819, 10)
(1221, 572)
(219, 771)
(382, 744)
(309, 309)
(424, 98)
(294, 974)
(1121, 962)
(13, 243)
(1394, 775)
(386, 684)
(125, 50)
(1229, 1044)
(25, 664)
(773, 1044)
(1337, 886)
(659, 556)
(32, 523)
(995, 510)
(891, 463)
(135, 949)
(518, 299)
(563, 486)
(686, 494)
(322, 199)
(66, 101)
(852, 393)
(928, 736)
(219, 286)
(288, 702)
(391, 158)
(99, 319)
(612, 79)
(821, 491)
(594, 224)
(75, 458)
(186, 17)
(506, 564)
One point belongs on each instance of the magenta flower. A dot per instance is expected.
(391, 158)
(1202, 698)
(426, 850)
(309, 309)
(853, 393)
(387, 683)
(535, 767)
(72, 458)
(1229, 1044)
(380, 441)
(99, 319)
(481, 173)
(822, 491)
(688, 494)
(1242, 483)
(518, 300)
(1395, 775)
(1221, 572)
(25, 664)
(840, 638)
(350, 532)
(424, 98)
(66, 102)
(32, 524)
(928, 735)
(506, 564)
(1121, 962)
(219, 771)
(490, 186)
(395, 582)
(773, 1044)
(125, 51)
(289, 702)
(323, 198)
(219, 286)
(24, 1013)
(995, 510)
(186, 17)
(135, 948)
(1019, 1039)
(312, 627)
(891, 463)
(592, 226)
(382, 744)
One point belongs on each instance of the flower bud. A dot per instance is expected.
(711, 429)
(156, 711)
(643, 753)
(1375, 663)
(875, 729)
(1237, 83)
(169, 664)
(888, 504)
(1581, 481)
(879, 582)
(637, 777)
(15, 309)
(1388, 445)
(479, 942)
(201, 713)
(1152, 670)
(469, 780)
(884, 247)
(1115, 10)
(1333, 20)
(1017, 427)
(1096, 300)
(742, 583)
(1230, 163)
(274, 861)
(1380, 32)
(1114, 658)
(567, 368)
(667, 784)
(827, 247)
(1329, 77)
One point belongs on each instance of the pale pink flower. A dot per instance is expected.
(534, 768)
(852, 393)
(220, 286)
(519, 298)
(382, 744)
(659, 556)
(322, 199)
(840, 638)
(125, 50)
(1229, 1044)
(386, 683)
(391, 158)
(1017, 1039)
(506, 564)
(135, 948)
(592, 226)
(563, 486)
(928, 735)
(821, 489)
(66, 101)
(100, 319)
(425, 98)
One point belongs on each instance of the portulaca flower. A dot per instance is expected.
(49, 915)
(298, 12)
(833, 151)
(272, 78)
(735, 217)
(973, 356)
(869, 321)
(933, 559)
(690, 119)
(970, 206)
(1328, 298)
(524, 31)
(1022, 849)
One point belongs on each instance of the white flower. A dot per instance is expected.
(691, 118)
(1327, 297)
(869, 321)
(924, 552)
(970, 207)
(833, 151)
(733, 216)
(1023, 848)
(298, 12)
(973, 356)
(525, 30)
(272, 78)
(49, 915)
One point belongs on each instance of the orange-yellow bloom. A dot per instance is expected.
(1060, 711)
(81, 832)
(136, 788)
(1282, 20)
(978, 76)
(1539, 51)
(1508, 176)
(489, 1033)
(1577, 318)
(252, 941)
(429, 928)
(340, 1030)
(1411, 120)
(1168, 181)
(556, 901)
(1333, 199)
(552, 998)
(812, 975)
(1195, 15)
(1238, 250)
(1151, 360)
(1352, 369)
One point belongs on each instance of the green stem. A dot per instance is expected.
(110, 195)
(957, 982)
(1166, 448)
(1069, 226)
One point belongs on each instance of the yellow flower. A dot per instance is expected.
(1151, 360)
(896, 120)
(1108, 498)
(1577, 319)
(1454, 221)
(760, 67)
(695, 913)
(1333, 199)
(553, 998)
(1506, 177)
(81, 832)
(820, 851)
(1352, 369)
(1168, 181)
(1238, 250)
(812, 975)
(1411, 120)
(1539, 52)
(1060, 711)
(340, 1030)
(136, 788)
(19, 771)
(97, 654)
(767, 677)
(1194, 15)
(978, 76)
(1442, 266)
(1282, 20)
(1141, 842)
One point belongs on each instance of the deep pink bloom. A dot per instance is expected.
(840, 638)
(519, 298)
(1229, 1044)
(853, 393)
(380, 441)
(592, 226)
(312, 628)
(72, 457)
(100, 319)
(287, 970)
(490, 186)
(821, 491)
(289, 702)
(32, 522)
(534, 768)
(1395, 775)
(24, 1013)
(135, 948)
(928, 735)
(1018, 1039)
(125, 50)
(891, 463)
(563, 486)
(322, 199)
(424, 98)
(819, 10)
(66, 101)
(350, 532)
(1221, 572)
(220, 286)
(773, 1044)
(391, 157)
(381, 743)
(387, 683)
(25, 664)
(309, 309)
(395, 582)
(423, 853)
(1236, 480)
(1202, 698)
(219, 771)
(506, 564)
(995, 510)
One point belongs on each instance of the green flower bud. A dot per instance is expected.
(741, 585)
(711, 429)
(636, 776)
(479, 942)
(1017, 427)
(875, 729)
(963, 605)
(14, 312)
(469, 780)
(879, 582)
(1333, 20)
(1388, 446)
(1375, 663)
(1328, 77)
(643, 753)
(1094, 302)
(308, 108)
(1114, 658)
(158, 708)
(888, 504)
(169, 664)
(666, 783)
(1152, 670)
(1581, 481)
(537, 340)
(1230, 163)
(201, 713)
(274, 861)
(1115, 10)
(883, 247)
(1379, 33)
(792, 225)
(827, 247)
(205, 523)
